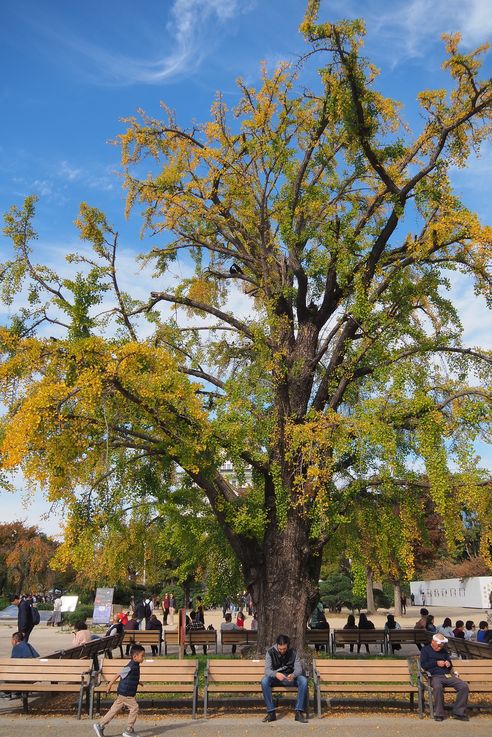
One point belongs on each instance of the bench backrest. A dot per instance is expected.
(458, 645)
(25, 670)
(70, 653)
(171, 638)
(415, 636)
(359, 636)
(233, 637)
(153, 671)
(202, 637)
(142, 637)
(235, 671)
(317, 637)
(89, 649)
(475, 649)
(474, 670)
(362, 671)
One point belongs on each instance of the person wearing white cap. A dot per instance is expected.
(435, 659)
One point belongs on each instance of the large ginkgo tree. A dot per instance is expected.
(315, 342)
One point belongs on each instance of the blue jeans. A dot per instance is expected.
(300, 682)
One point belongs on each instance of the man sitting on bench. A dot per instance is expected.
(435, 659)
(284, 669)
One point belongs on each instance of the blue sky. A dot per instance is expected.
(72, 71)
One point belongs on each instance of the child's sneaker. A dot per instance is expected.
(98, 729)
(129, 733)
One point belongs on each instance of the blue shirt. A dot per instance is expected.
(24, 650)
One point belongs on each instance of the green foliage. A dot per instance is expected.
(82, 613)
(337, 590)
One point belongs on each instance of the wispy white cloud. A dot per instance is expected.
(69, 172)
(191, 30)
(408, 28)
(413, 24)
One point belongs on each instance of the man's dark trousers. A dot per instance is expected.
(439, 683)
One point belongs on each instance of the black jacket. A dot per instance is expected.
(129, 678)
(24, 617)
(287, 663)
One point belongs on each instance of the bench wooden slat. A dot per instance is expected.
(42, 675)
(157, 676)
(236, 676)
(365, 676)
(358, 637)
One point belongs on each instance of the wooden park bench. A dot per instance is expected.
(43, 675)
(238, 637)
(358, 637)
(143, 637)
(335, 677)
(319, 637)
(198, 637)
(171, 639)
(470, 650)
(477, 673)
(158, 677)
(202, 637)
(408, 637)
(234, 677)
(93, 649)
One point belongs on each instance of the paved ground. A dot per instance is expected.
(341, 726)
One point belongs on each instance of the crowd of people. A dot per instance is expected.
(282, 664)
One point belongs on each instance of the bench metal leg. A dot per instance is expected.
(195, 699)
(421, 703)
(205, 701)
(81, 696)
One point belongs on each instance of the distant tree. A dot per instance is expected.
(25, 559)
(319, 210)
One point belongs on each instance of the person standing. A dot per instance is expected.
(436, 661)
(403, 600)
(172, 608)
(165, 608)
(25, 621)
(140, 614)
(57, 612)
(283, 668)
(200, 611)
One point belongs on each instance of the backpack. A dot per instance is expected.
(36, 617)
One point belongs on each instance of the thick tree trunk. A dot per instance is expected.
(371, 605)
(286, 589)
(397, 595)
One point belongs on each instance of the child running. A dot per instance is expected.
(129, 679)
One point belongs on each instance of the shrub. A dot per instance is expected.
(81, 614)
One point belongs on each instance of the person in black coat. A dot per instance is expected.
(25, 622)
